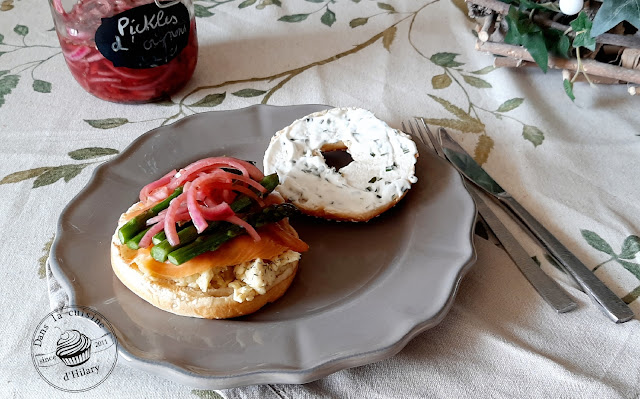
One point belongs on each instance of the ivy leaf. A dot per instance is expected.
(386, 7)
(2, 73)
(630, 247)
(613, 12)
(597, 242)
(211, 100)
(388, 36)
(248, 93)
(510, 104)
(568, 88)
(537, 47)
(476, 82)
(108, 123)
(446, 60)
(354, 23)
(557, 42)
(41, 86)
(247, 3)
(524, 32)
(582, 27)
(328, 18)
(21, 30)
(484, 70)
(441, 81)
(201, 11)
(7, 83)
(24, 175)
(66, 172)
(91, 152)
(293, 18)
(533, 134)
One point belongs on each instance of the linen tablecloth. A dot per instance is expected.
(574, 166)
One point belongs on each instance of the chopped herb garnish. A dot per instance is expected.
(372, 154)
(369, 189)
(373, 179)
(378, 195)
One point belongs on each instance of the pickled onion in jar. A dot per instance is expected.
(100, 73)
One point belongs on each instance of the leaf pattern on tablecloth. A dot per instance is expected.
(206, 394)
(6, 5)
(46, 175)
(629, 250)
(42, 261)
(9, 79)
(465, 117)
(469, 120)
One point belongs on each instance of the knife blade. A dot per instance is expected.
(609, 303)
(548, 289)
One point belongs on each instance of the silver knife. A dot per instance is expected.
(609, 302)
(548, 289)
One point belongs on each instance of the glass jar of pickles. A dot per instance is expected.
(129, 51)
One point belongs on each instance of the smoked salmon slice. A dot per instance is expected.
(240, 249)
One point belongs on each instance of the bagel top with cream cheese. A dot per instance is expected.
(381, 173)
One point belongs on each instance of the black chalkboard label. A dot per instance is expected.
(144, 37)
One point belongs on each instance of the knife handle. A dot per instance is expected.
(548, 289)
(609, 302)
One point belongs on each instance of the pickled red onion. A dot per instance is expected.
(246, 168)
(208, 189)
(146, 238)
(163, 181)
(170, 219)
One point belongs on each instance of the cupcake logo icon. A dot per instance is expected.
(74, 349)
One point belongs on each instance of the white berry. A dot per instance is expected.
(571, 7)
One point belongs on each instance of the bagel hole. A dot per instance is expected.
(337, 159)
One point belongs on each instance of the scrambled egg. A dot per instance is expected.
(247, 279)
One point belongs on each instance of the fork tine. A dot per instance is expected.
(411, 131)
(436, 145)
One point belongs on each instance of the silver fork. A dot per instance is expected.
(548, 289)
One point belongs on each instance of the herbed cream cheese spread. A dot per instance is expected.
(383, 166)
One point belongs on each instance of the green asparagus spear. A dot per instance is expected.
(134, 243)
(227, 231)
(138, 223)
(188, 234)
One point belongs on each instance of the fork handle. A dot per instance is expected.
(609, 302)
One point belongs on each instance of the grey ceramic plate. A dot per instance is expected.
(362, 292)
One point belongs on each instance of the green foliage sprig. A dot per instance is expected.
(541, 41)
